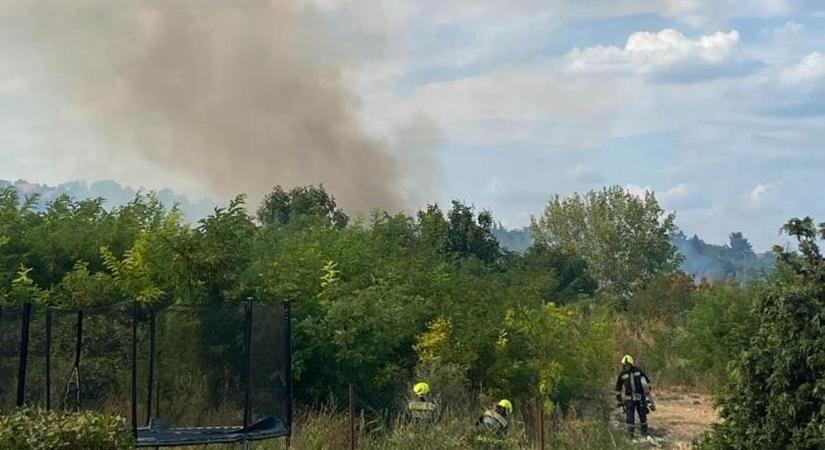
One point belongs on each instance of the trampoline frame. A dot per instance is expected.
(154, 434)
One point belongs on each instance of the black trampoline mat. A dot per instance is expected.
(180, 436)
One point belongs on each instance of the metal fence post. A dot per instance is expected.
(351, 417)
(541, 426)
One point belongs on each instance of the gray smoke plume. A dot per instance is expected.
(235, 93)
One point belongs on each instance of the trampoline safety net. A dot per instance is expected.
(199, 375)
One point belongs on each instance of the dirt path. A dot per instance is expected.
(683, 416)
(680, 417)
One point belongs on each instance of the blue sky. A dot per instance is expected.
(716, 105)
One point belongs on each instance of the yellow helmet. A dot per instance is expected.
(421, 388)
(627, 359)
(507, 405)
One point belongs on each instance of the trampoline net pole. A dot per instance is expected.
(48, 358)
(134, 369)
(74, 375)
(288, 345)
(150, 383)
(24, 353)
(248, 355)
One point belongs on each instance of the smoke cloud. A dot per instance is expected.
(238, 94)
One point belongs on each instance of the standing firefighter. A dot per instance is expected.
(633, 394)
(421, 409)
(496, 420)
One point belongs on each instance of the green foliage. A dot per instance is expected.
(553, 353)
(62, 244)
(131, 275)
(686, 334)
(460, 233)
(36, 429)
(374, 301)
(468, 235)
(664, 298)
(777, 394)
(80, 287)
(624, 239)
(22, 289)
(719, 327)
(301, 204)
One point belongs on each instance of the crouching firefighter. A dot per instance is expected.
(421, 409)
(633, 395)
(496, 421)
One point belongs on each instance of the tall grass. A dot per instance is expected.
(328, 429)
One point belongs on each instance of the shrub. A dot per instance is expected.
(718, 328)
(776, 398)
(37, 429)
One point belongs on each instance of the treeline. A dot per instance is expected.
(735, 260)
(381, 299)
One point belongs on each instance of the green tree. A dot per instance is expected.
(301, 203)
(461, 232)
(625, 239)
(741, 249)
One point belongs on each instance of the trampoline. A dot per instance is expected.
(183, 375)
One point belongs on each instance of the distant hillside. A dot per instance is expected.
(736, 260)
(114, 195)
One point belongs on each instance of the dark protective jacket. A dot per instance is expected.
(629, 382)
(422, 410)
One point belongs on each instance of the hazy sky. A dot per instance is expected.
(716, 105)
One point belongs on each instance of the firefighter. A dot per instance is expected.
(633, 395)
(420, 408)
(497, 419)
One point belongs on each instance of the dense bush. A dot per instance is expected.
(36, 429)
(719, 327)
(777, 393)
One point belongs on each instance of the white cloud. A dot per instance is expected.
(12, 84)
(586, 174)
(697, 12)
(761, 194)
(789, 29)
(11, 81)
(683, 197)
(638, 191)
(648, 53)
(809, 69)
(519, 103)
(678, 192)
